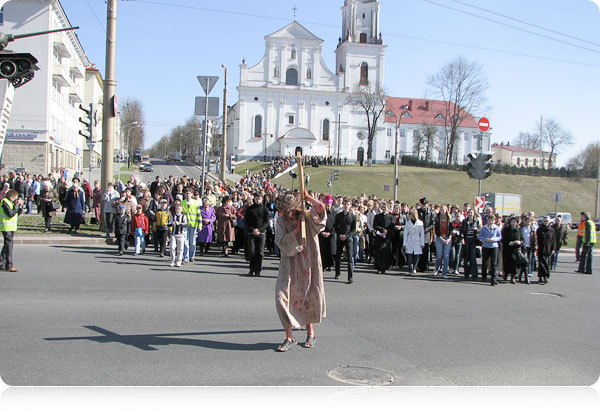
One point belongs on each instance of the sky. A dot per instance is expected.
(541, 57)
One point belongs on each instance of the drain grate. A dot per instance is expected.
(556, 295)
(360, 375)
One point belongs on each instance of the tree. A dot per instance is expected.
(528, 141)
(430, 139)
(556, 137)
(372, 102)
(418, 144)
(132, 112)
(461, 85)
(585, 163)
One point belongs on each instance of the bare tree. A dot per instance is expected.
(528, 141)
(429, 134)
(372, 102)
(131, 112)
(556, 137)
(587, 161)
(461, 85)
(418, 144)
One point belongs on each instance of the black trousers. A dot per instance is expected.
(423, 265)
(256, 251)
(161, 239)
(489, 257)
(340, 245)
(6, 256)
(122, 242)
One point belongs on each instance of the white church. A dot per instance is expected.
(291, 98)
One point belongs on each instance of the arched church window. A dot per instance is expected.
(308, 74)
(363, 37)
(257, 126)
(291, 77)
(364, 74)
(326, 129)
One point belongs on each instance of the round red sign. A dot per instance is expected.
(483, 124)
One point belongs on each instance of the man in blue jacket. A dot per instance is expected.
(490, 237)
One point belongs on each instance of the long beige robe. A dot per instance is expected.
(299, 292)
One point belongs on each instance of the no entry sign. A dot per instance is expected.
(483, 124)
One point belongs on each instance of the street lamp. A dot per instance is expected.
(398, 120)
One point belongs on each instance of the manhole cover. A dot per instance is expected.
(358, 375)
(556, 295)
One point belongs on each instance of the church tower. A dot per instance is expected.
(360, 53)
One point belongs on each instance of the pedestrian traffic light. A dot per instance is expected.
(17, 68)
(479, 166)
(335, 175)
(88, 120)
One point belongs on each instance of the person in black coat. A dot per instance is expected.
(345, 228)
(256, 220)
(560, 238)
(327, 238)
(545, 244)
(428, 219)
(511, 243)
(383, 225)
(75, 204)
(122, 228)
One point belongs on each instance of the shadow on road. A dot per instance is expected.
(147, 342)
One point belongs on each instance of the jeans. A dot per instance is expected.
(189, 244)
(412, 260)
(531, 258)
(455, 255)
(585, 261)
(471, 258)
(140, 241)
(554, 259)
(442, 251)
(355, 248)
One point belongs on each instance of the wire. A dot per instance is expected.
(161, 3)
(95, 15)
(511, 26)
(524, 22)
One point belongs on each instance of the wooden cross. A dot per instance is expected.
(301, 189)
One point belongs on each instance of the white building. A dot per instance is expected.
(291, 98)
(43, 130)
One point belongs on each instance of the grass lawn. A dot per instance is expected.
(451, 187)
(124, 177)
(253, 167)
(132, 168)
(33, 224)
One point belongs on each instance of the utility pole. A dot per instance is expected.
(597, 190)
(541, 140)
(224, 143)
(339, 137)
(110, 98)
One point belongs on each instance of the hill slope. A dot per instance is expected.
(452, 187)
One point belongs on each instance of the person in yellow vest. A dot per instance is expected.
(10, 209)
(588, 241)
(191, 210)
(580, 232)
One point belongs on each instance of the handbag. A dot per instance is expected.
(55, 205)
(521, 257)
(93, 221)
(478, 252)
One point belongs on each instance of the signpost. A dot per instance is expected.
(207, 83)
(556, 198)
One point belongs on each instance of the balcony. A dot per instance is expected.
(60, 76)
(76, 73)
(60, 45)
(75, 95)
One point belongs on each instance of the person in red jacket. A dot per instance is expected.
(139, 229)
(87, 190)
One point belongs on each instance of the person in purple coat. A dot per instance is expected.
(205, 236)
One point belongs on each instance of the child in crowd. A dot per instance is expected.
(161, 225)
(139, 228)
(178, 223)
(122, 226)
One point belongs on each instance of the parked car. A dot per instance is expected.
(566, 218)
(146, 167)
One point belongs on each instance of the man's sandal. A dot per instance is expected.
(310, 342)
(286, 345)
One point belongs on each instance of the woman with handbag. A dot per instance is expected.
(511, 246)
(75, 203)
(48, 203)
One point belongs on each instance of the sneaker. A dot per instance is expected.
(172, 264)
(178, 265)
(191, 259)
(445, 276)
(11, 269)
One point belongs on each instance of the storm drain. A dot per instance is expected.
(359, 375)
(556, 295)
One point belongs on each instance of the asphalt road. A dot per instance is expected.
(177, 169)
(83, 316)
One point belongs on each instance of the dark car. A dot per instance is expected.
(146, 167)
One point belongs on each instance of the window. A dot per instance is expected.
(534, 162)
(518, 161)
(1, 16)
(389, 132)
(440, 117)
(291, 77)
(407, 115)
(466, 137)
(387, 154)
(326, 129)
(290, 119)
(402, 133)
(363, 37)
(526, 162)
(364, 74)
(257, 126)
(415, 133)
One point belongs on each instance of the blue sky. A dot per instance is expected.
(164, 44)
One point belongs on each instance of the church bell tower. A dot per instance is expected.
(360, 53)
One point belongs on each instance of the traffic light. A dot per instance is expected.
(88, 120)
(335, 175)
(479, 166)
(17, 68)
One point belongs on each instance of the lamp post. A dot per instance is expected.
(398, 120)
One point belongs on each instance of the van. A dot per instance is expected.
(566, 217)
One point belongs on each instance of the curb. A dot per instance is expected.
(62, 240)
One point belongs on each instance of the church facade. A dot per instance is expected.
(291, 98)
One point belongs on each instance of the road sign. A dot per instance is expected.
(557, 197)
(212, 80)
(479, 203)
(386, 188)
(213, 106)
(483, 124)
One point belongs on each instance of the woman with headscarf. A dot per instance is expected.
(75, 203)
(226, 215)
(205, 236)
(299, 292)
(48, 198)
